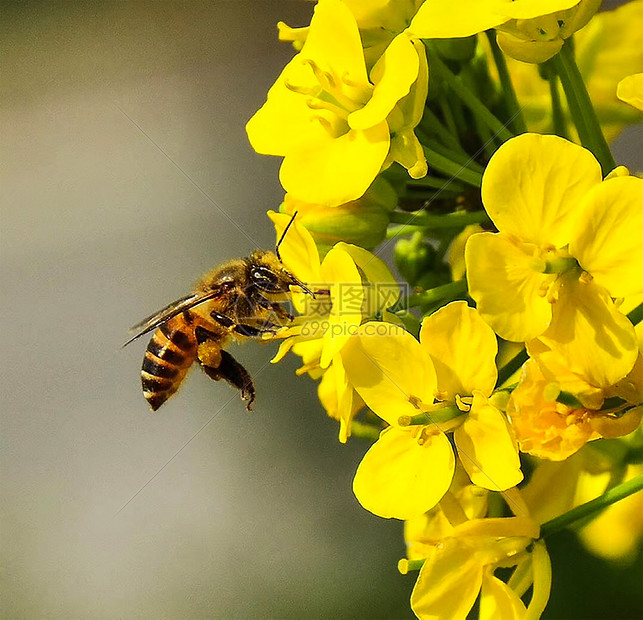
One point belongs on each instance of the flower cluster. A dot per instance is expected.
(499, 379)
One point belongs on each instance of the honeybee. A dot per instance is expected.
(239, 298)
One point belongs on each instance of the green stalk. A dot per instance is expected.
(435, 183)
(517, 121)
(432, 125)
(512, 366)
(451, 290)
(581, 109)
(479, 110)
(459, 157)
(450, 220)
(588, 509)
(452, 169)
(636, 316)
(558, 117)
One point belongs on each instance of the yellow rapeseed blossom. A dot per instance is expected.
(335, 127)
(528, 30)
(460, 567)
(567, 243)
(408, 470)
(351, 285)
(379, 21)
(553, 430)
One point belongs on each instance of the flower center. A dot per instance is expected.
(332, 96)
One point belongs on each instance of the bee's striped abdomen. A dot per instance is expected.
(168, 357)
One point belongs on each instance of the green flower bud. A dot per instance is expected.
(460, 50)
(414, 257)
(362, 222)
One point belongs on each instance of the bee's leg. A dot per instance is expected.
(275, 307)
(244, 330)
(235, 374)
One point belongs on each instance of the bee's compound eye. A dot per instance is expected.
(265, 279)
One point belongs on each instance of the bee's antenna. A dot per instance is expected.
(292, 219)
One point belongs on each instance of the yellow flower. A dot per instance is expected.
(335, 128)
(528, 30)
(351, 285)
(549, 429)
(460, 566)
(566, 245)
(630, 90)
(408, 470)
(609, 48)
(379, 21)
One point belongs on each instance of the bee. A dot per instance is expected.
(240, 298)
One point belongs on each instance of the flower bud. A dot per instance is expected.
(414, 257)
(362, 222)
(462, 49)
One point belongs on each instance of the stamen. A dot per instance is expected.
(300, 90)
(325, 79)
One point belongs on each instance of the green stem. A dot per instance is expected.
(459, 157)
(581, 109)
(480, 111)
(450, 290)
(636, 315)
(558, 117)
(447, 113)
(517, 120)
(512, 366)
(450, 220)
(402, 230)
(433, 126)
(452, 169)
(587, 509)
(435, 183)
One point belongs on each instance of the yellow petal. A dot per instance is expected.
(528, 9)
(439, 19)
(298, 250)
(609, 243)
(392, 75)
(528, 51)
(386, 365)
(334, 44)
(284, 121)
(542, 581)
(399, 479)
(499, 601)
(534, 184)
(335, 170)
(487, 450)
(448, 583)
(505, 286)
(463, 349)
(381, 288)
(630, 90)
(596, 341)
(347, 296)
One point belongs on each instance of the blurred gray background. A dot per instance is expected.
(200, 510)
(254, 517)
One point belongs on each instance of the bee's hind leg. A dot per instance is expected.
(235, 374)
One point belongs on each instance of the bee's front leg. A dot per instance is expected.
(244, 330)
(279, 311)
(235, 374)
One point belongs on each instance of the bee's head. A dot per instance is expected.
(268, 274)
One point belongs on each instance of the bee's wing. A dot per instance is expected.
(171, 310)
